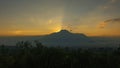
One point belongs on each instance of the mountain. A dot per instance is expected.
(65, 38)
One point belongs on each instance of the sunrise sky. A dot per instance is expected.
(40, 17)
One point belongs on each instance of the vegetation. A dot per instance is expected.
(25, 55)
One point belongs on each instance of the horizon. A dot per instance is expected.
(59, 32)
(43, 17)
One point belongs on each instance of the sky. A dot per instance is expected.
(41, 17)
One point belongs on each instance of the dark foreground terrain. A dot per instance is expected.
(25, 55)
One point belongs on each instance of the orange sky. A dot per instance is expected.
(40, 17)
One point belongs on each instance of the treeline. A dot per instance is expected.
(25, 55)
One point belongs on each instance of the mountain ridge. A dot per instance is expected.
(66, 38)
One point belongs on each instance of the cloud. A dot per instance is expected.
(105, 23)
(113, 1)
(110, 5)
(102, 25)
(113, 20)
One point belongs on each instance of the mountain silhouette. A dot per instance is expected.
(63, 38)
(66, 38)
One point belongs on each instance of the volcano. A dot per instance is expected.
(65, 38)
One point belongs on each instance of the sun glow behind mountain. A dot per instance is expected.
(40, 17)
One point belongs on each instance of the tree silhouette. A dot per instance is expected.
(28, 55)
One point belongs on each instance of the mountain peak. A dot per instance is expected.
(64, 31)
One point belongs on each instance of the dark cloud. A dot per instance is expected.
(113, 20)
(107, 22)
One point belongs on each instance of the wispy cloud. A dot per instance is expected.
(113, 1)
(105, 23)
(111, 4)
(113, 20)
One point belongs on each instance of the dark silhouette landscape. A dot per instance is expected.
(59, 33)
(65, 38)
(58, 50)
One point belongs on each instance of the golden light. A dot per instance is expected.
(18, 32)
(102, 25)
(50, 21)
(57, 29)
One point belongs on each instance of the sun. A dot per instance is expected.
(57, 29)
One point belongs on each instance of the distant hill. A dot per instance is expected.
(66, 38)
